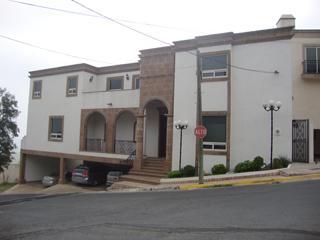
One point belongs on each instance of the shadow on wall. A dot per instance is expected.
(11, 174)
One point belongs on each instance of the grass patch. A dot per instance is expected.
(5, 186)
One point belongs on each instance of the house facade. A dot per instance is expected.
(124, 115)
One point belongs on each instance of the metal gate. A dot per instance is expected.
(300, 140)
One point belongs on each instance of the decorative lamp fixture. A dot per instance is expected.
(180, 125)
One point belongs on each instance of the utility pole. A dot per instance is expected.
(199, 120)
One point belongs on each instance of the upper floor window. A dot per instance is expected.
(216, 132)
(214, 66)
(37, 88)
(55, 128)
(72, 86)
(115, 83)
(312, 60)
(136, 81)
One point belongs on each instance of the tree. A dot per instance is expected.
(8, 127)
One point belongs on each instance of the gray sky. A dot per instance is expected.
(96, 38)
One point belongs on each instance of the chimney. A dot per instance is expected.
(286, 20)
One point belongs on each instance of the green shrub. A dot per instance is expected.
(175, 174)
(188, 171)
(257, 163)
(281, 162)
(218, 169)
(245, 166)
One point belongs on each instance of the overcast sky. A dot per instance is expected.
(96, 38)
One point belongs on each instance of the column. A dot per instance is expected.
(62, 171)
(137, 163)
(168, 161)
(22, 168)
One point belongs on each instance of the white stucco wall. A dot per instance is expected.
(54, 102)
(250, 124)
(125, 127)
(210, 160)
(151, 133)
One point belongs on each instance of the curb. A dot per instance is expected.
(256, 181)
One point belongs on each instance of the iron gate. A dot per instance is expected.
(300, 140)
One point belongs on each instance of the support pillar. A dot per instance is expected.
(62, 171)
(168, 161)
(22, 168)
(137, 163)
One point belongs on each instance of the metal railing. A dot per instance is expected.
(124, 146)
(311, 67)
(96, 145)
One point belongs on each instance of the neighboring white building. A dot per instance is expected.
(83, 113)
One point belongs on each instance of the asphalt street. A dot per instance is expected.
(277, 211)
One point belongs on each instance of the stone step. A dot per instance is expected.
(141, 179)
(153, 163)
(153, 168)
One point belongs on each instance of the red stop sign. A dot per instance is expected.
(200, 132)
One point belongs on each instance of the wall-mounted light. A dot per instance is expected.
(127, 76)
(109, 104)
(91, 79)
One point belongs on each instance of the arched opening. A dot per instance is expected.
(96, 133)
(155, 129)
(125, 133)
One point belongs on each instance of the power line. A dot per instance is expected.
(95, 16)
(161, 41)
(121, 24)
(51, 50)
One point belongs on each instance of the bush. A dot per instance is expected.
(245, 166)
(188, 171)
(175, 174)
(219, 169)
(257, 163)
(281, 162)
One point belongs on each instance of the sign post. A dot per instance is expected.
(200, 132)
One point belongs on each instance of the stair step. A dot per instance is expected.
(156, 169)
(152, 164)
(141, 179)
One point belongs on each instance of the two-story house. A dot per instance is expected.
(124, 115)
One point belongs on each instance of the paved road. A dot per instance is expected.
(281, 211)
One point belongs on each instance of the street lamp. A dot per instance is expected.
(180, 125)
(271, 106)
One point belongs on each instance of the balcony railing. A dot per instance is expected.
(311, 67)
(96, 145)
(125, 147)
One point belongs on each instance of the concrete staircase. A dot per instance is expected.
(151, 172)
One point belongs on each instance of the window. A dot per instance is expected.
(115, 83)
(312, 60)
(216, 132)
(136, 82)
(72, 86)
(37, 86)
(214, 66)
(55, 128)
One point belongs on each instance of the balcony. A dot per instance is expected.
(311, 69)
(124, 147)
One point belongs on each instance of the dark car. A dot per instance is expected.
(90, 174)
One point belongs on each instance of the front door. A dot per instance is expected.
(316, 145)
(300, 141)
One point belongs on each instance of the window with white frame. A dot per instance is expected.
(36, 90)
(55, 128)
(214, 66)
(115, 83)
(216, 132)
(72, 86)
(312, 60)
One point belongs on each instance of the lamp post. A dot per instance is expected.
(271, 106)
(180, 125)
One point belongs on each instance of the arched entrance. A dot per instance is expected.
(125, 133)
(155, 129)
(96, 133)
